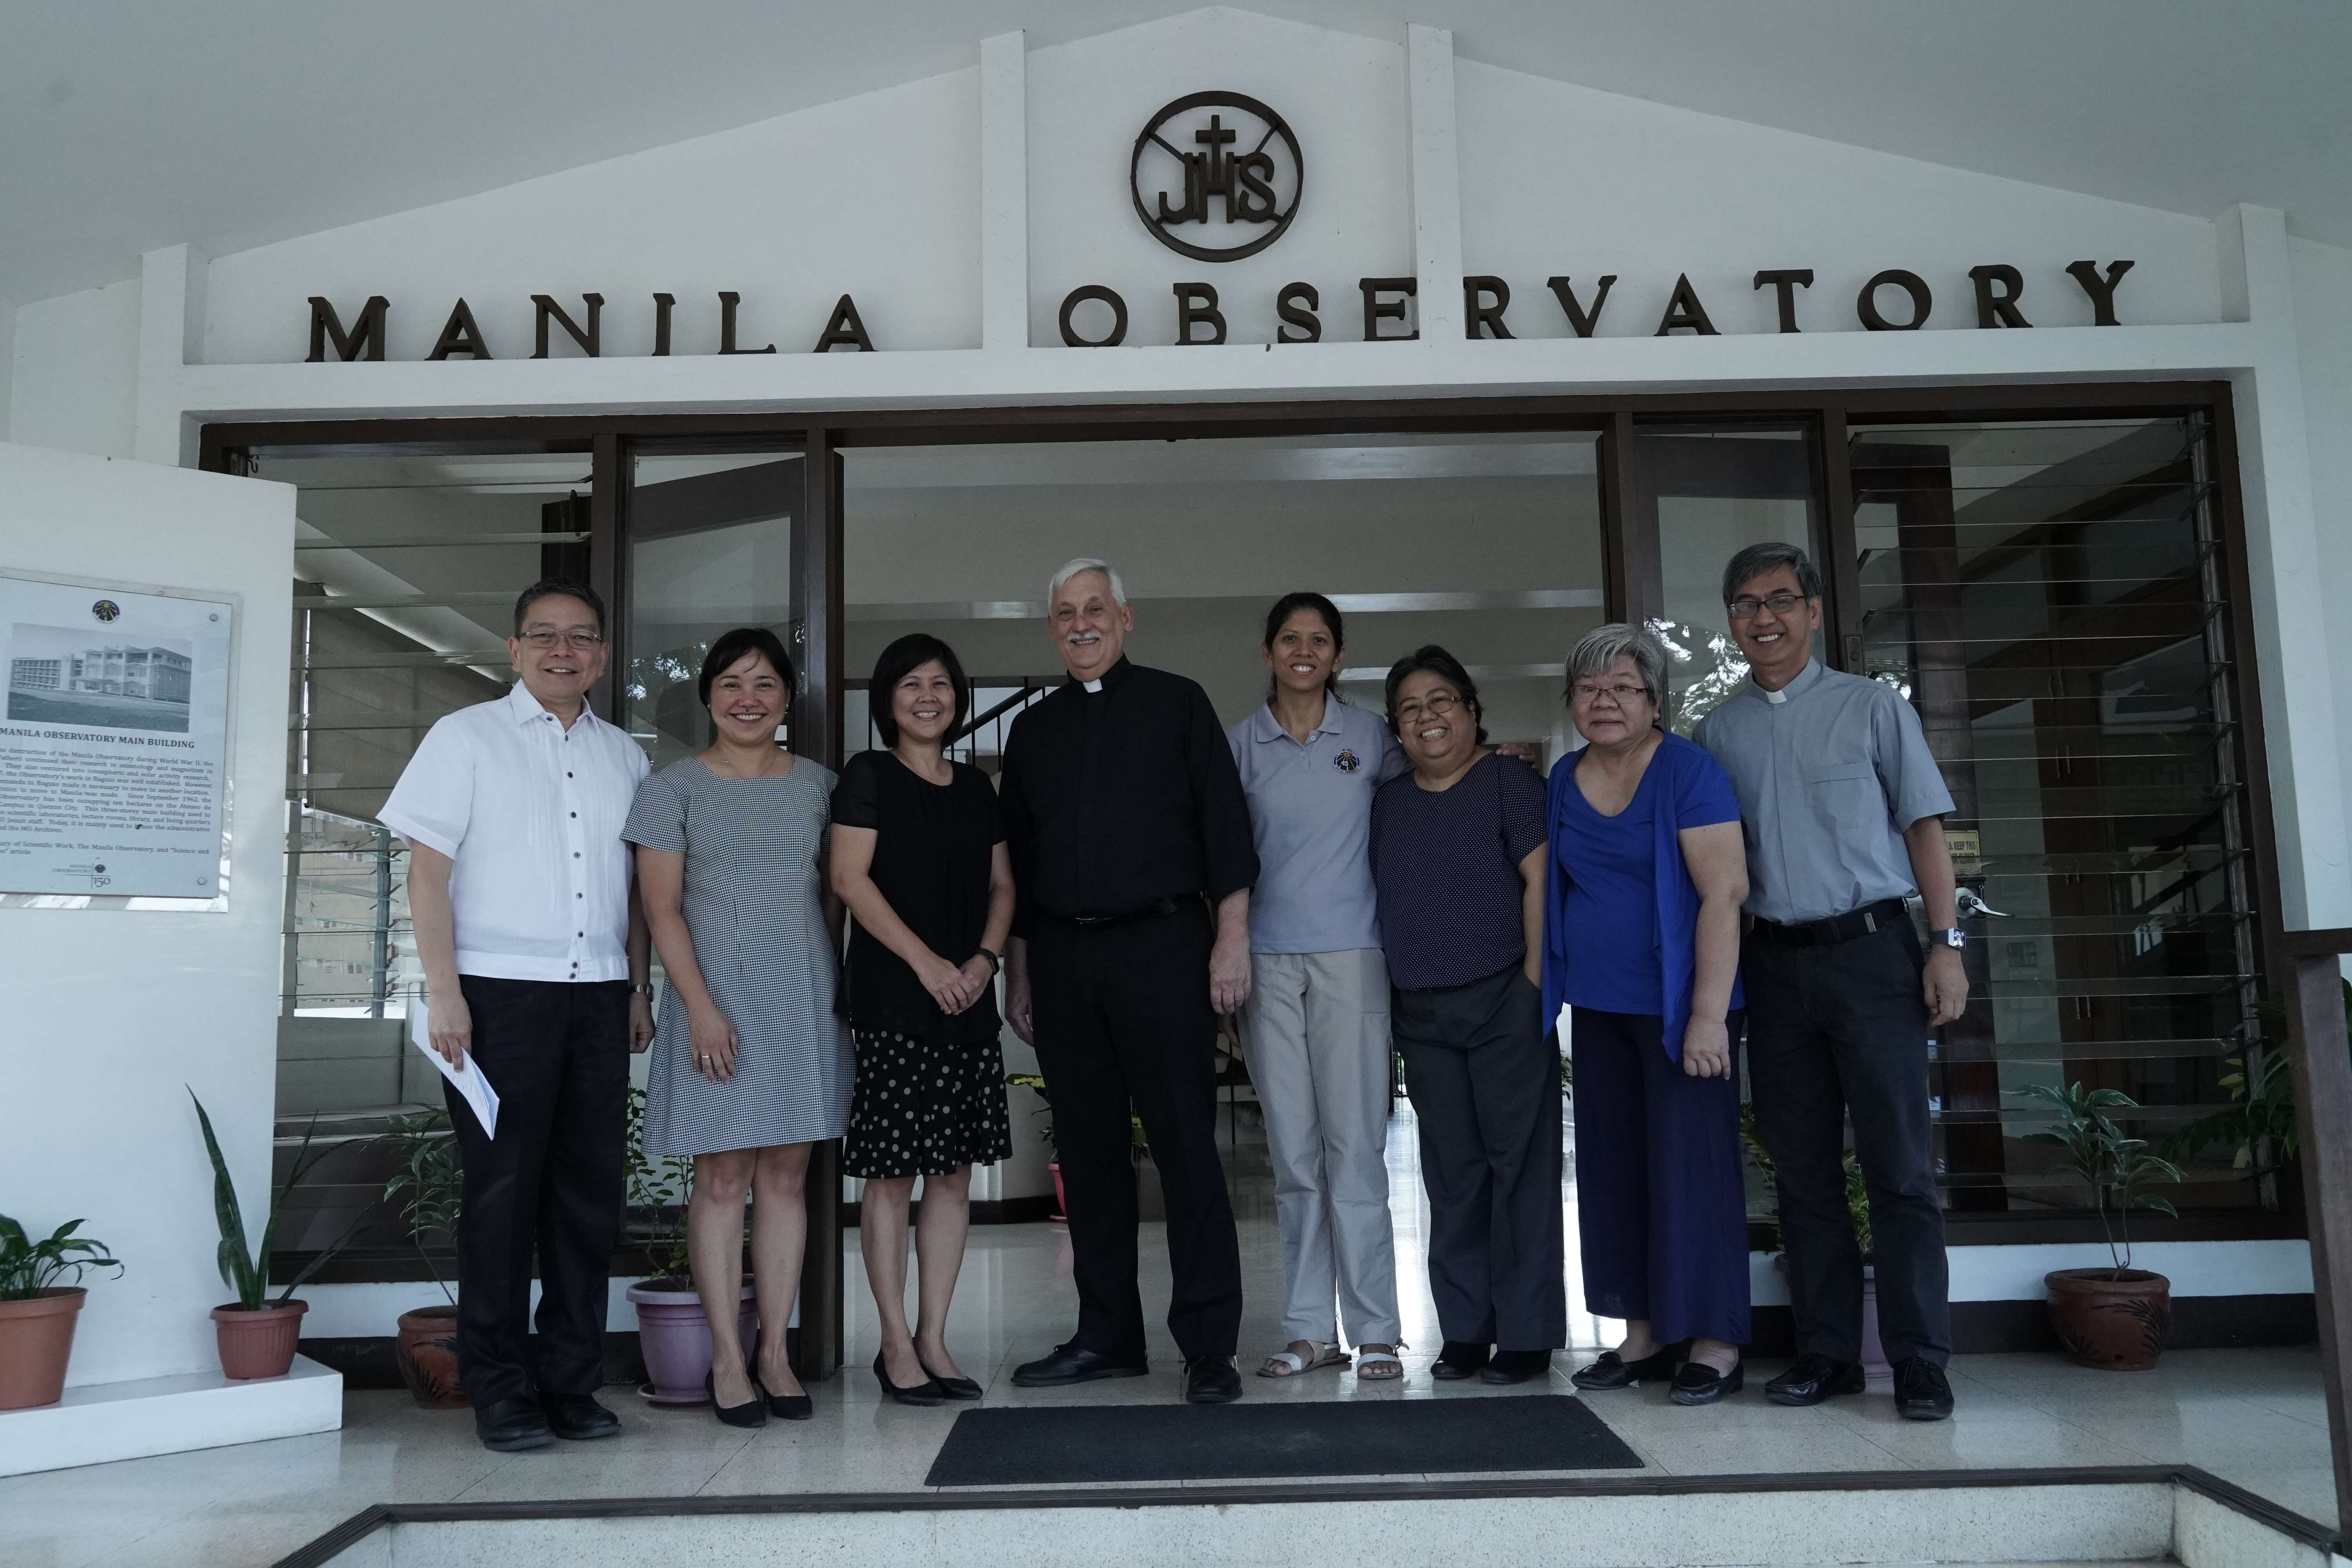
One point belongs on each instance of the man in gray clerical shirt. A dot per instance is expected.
(1842, 806)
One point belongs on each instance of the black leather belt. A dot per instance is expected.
(1836, 928)
(1153, 910)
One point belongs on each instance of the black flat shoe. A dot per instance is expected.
(511, 1426)
(1516, 1366)
(1458, 1360)
(1212, 1380)
(791, 1407)
(752, 1411)
(1699, 1384)
(1922, 1391)
(925, 1393)
(1813, 1379)
(1068, 1363)
(952, 1387)
(578, 1417)
(1613, 1371)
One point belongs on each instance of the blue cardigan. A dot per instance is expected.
(1674, 913)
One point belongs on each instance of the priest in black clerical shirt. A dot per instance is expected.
(1131, 845)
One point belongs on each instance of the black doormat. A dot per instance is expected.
(1040, 1445)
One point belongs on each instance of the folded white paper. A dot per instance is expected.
(470, 1080)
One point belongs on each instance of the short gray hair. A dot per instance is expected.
(1085, 564)
(1757, 559)
(1602, 647)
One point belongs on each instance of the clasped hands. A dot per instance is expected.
(955, 987)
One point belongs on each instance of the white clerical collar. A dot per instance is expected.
(1797, 683)
(1093, 685)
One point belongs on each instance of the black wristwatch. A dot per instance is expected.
(995, 959)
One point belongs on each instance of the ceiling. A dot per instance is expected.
(138, 123)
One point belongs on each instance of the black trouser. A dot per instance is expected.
(1485, 1086)
(1123, 1019)
(1834, 1031)
(558, 1054)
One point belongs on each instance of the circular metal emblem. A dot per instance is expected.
(105, 609)
(1218, 152)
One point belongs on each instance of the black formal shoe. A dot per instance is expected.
(1516, 1366)
(1922, 1392)
(1613, 1371)
(1699, 1384)
(1459, 1358)
(510, 1426)
(1068, 1363)
(752, 1411)
(790, 1406)
(923, 1393)
(578, 1416)
(1813, 1379)
(1212, 1380)
(952, 1387)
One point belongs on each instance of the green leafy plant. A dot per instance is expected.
(657, 1195)
(245, 1269)
(2258, 1124)
(1036, 1083)
(27, 1267)
(2119, 1170)
(1857, 1191)
(428, 1185)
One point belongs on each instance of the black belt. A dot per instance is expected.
(1836, 928)
(1153, 910)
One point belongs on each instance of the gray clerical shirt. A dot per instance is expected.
(1830, 770)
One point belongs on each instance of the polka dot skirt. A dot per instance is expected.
(924, 1108)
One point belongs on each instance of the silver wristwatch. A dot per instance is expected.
(1952, 938)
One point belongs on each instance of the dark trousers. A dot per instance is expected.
(1485, 1086)
(558, 1054)
(1123, 1019)
(1835, 1032)
(1660, 1200)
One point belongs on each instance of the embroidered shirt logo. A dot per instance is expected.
(1347, 761)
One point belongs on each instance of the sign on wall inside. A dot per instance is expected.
(113, 740)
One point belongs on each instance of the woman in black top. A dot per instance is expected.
(919, 856)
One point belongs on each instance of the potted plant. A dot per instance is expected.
(2258, 1124)
(257, 1337)
(429, 1186)
(673, 1330)
(1035, 1084)
(2117, 1318)
(1874, 1364)
(38, 1313)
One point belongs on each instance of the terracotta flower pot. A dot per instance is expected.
(673, 1336)
(260, 1342)
(428, 1352)
(35, 1339)
(2115, 1319)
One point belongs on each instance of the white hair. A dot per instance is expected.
(1082, 565)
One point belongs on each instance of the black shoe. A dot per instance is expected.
(1068, 1363)
(1458, 1360)
(1922, 1391)
(510, 1426)
(1699, 1384)
(952, 1387)
(790, 1406)
(752, 1411)
(1813, 1379)
(1212, 1380)
(578, 1416)
(925, 1393)
(1516, 1366)
(1613, 1371)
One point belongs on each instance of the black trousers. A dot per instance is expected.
(1837, 1032)
(1123, 1019)
(558, 1054)
(1485, 1086)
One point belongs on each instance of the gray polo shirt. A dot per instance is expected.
(1311, 814)
(1830, 770)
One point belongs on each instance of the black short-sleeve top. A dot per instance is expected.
(931, 852)
(1445, 871)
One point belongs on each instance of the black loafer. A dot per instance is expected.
(1699, 1384)
(1212, 1380)
(952, 1387)
(1813, 1379)
(578, 1416)
(1516, 1366)
(1458, 1360)
(1068, 1363)
(510, 1426)
(1922, 1391)
(1613, 1371)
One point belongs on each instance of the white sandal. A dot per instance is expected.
(1292, 1363)
(1365, 1359)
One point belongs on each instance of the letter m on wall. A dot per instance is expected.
(364, 340)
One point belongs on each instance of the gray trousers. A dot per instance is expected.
(1315, 1033)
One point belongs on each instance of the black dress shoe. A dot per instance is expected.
(925, 1393)
(752, 1411)
(1813, 1379)
(510, 1426)
(952, 1387)
(790, 1406)
(1922, 1391)
(1068, 1363)
(1516, 1366)
(1613, 1371)
(578, 1416)
(1459, 1358)
(1212, 1380)
(1699, 1384)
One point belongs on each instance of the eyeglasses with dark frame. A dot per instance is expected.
(1622, 693)
(1744, 607)
(576, 640)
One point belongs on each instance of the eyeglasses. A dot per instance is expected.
(1622, 694)
(1436, 705)
(578, 641)
(1744, 607)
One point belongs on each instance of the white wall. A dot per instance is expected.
(109, 1013)
(74, 372)
(2323, 324)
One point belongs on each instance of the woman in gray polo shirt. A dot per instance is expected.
(1315, 1030)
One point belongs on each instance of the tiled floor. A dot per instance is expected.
(2256, 1418)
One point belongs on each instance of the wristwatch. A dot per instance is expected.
(1952, 938)
(642, 988)
(995, 959)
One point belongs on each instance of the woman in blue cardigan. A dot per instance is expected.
(1642, 940)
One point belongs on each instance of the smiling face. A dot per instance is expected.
(1777, 642)
(1438, 731)
(559, 652)
(1612, 706)
(1088, 627)
(748, 700)
(924, 703)
(1304, 655)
